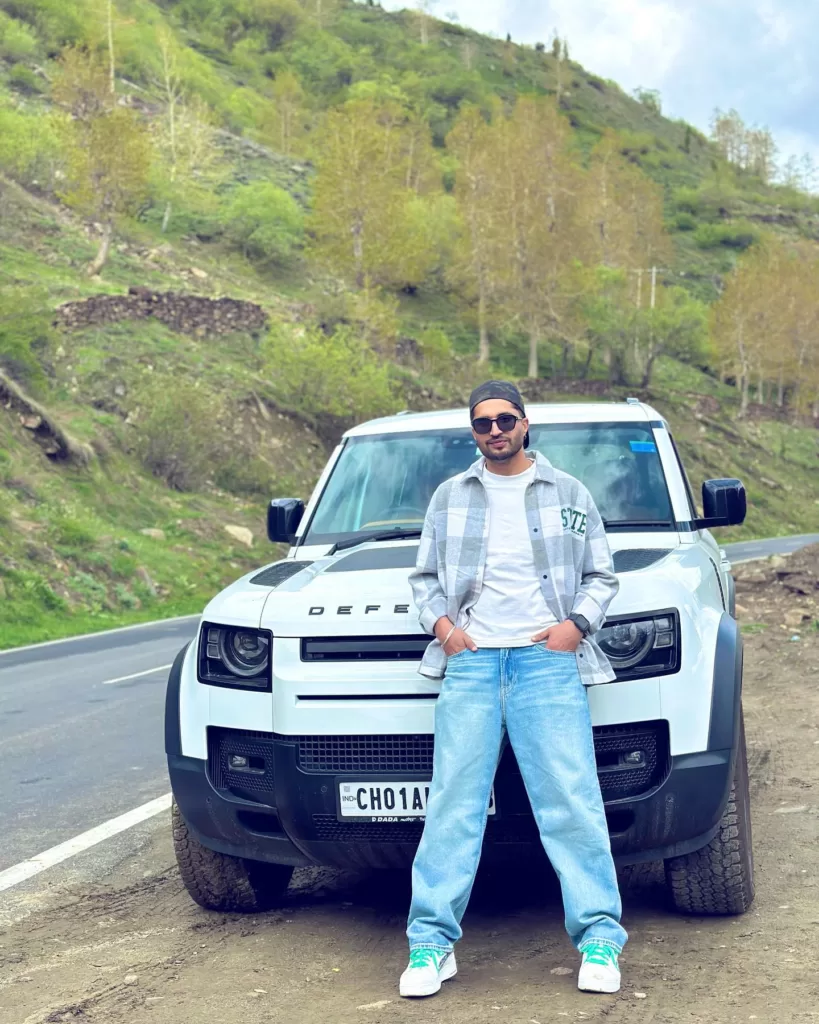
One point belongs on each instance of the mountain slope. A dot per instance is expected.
(187, 429)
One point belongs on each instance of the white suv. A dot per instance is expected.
(299, 732)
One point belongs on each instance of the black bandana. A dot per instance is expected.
(501, 389)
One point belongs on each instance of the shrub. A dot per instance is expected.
(24, 80)
(17, 41)
(27, 587)
(25, 333)
(338, 374)
(179, 436)
(264, 221)
(29, 146)
(685, 221)
(733, 235)
(436, 349)
(71, 532)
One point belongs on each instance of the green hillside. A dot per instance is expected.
(214, 153)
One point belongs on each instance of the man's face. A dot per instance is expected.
(499, 445)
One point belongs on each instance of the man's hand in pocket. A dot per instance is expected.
(564, 637)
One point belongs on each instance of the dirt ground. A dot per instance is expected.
(132, 947)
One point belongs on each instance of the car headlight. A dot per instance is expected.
(233, 656)
(642, 646)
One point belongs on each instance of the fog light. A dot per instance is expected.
(634, 758)
(238, 762)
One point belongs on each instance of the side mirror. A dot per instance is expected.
(283, 518)
(723, 504)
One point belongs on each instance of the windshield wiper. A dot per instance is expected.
(637, 523)
(397, 534)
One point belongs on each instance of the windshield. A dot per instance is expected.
(385, 481)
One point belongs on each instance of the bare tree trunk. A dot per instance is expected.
(101, 258)
(745, 385)
(110, 27)
(584, 373)
(649, 369)
(780, 390)
(358, 254)
(534, 369)
(166, 216)
(483, 343)
(564, 364)
(760, 389)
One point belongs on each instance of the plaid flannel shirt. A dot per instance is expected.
(571, 554)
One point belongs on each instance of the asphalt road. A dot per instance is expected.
(747, 550)
(77, 748)
(80, 744)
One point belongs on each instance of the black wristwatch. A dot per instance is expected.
(581, 622)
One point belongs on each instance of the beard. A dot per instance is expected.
(509, 451)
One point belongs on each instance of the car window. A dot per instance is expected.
(387, 480)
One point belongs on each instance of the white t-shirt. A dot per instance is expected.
(511, 607)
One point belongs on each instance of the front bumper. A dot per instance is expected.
(291, 816)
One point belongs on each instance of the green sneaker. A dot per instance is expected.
(599, 970)
(426, 970)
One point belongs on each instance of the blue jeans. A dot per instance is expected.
(536, 696)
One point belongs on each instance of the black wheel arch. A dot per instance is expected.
(726, 692)
(173, 729)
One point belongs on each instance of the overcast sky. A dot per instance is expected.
(756, 55)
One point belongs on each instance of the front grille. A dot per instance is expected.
(330, 829)
(341, 755)
(350, 755)
(516, 828)
(252, 785)
(364, 648)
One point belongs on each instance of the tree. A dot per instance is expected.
(677, 326)
(423, 15)
(108, 151)
(620, 226)
(534, 181)
(287, 125)
(650, 98)
(373, 161)
(476, 252)
(792, 174)
(761, 151)
(322, 11)
(745, 326)
(187, 150)
(729, 133)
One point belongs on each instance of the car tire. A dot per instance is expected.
(218, 881)
(719, 878)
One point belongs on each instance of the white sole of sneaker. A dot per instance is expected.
(599, 986)
(450, 969)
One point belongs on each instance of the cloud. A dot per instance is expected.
(754, 55)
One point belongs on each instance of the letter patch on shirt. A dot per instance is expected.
(574, 520)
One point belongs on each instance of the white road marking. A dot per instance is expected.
(101, 633)
(136, 675)
(34, 865)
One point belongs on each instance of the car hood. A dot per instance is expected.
(366, 590)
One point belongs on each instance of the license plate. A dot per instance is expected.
(387, 801)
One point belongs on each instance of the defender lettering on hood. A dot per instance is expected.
(347, 609)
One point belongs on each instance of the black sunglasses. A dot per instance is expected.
(506, 421)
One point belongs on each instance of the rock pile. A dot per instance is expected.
(187, 314)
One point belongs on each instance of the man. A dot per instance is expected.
(514, 576)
